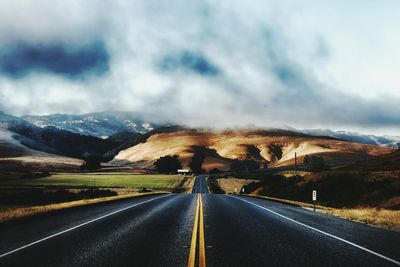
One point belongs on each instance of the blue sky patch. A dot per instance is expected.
(71, 62)
(189, 61)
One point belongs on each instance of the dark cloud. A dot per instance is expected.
(72, 62)
(189, 61)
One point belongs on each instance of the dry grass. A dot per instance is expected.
(235, 144)
(233, 185)
(389, 219)
(19, 212)
(189, 184)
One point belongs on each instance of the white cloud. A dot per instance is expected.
(281, 63)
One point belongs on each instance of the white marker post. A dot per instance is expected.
(314, 197)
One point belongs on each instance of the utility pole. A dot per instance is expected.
(295, 163)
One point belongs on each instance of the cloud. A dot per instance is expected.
(189, 61)
(72, 62)
(205, 63)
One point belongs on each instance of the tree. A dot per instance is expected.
(247, 165)
(196, 162)
(92, 162)
(168, 164)
(306, 160)
(315, 163)
(251, 165)
(214, 171)
(236, 166)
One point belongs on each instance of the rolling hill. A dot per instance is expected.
(275, 147)
(387, 162)
(18, 158)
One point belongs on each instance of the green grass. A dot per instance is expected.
(156, 181)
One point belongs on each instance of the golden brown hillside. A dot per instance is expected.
(274, 147)
(386, 162)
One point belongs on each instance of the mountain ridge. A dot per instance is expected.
(107, 123)
(99, 124)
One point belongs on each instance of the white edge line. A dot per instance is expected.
(77, 226)
(324, 233)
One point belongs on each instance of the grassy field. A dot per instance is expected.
(126, 180)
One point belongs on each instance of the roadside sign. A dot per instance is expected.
(314, 198)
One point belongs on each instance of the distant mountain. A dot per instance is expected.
(7, 118)
(54, 140)
(99, 124)
(389, 141)
(18, 153)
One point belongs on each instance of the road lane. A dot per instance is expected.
(153, 234)
(240, 234)
(17, 233)
(200, 185)
(379, 240)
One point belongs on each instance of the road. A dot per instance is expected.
(200, 185)
(194, 229)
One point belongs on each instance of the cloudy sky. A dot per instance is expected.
(307, 64)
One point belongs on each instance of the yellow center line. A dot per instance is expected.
(192, 254)
(202, 251)
(198, 223)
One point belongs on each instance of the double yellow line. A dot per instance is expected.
(198, 227)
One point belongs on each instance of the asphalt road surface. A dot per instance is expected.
(194, 230)
(200, 185)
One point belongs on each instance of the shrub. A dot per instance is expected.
(168, 164)
(247, 165)
(315, 163)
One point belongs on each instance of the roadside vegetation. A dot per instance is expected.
(367, 197)
(168, 164)
(13, 212)
(338, 189)
(41, 196)
(213, 185)
(233, 185)
(385, 218)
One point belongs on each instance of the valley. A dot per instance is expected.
(50, 158)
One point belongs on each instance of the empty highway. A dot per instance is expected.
(197, 229)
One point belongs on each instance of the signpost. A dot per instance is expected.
(314, 197)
